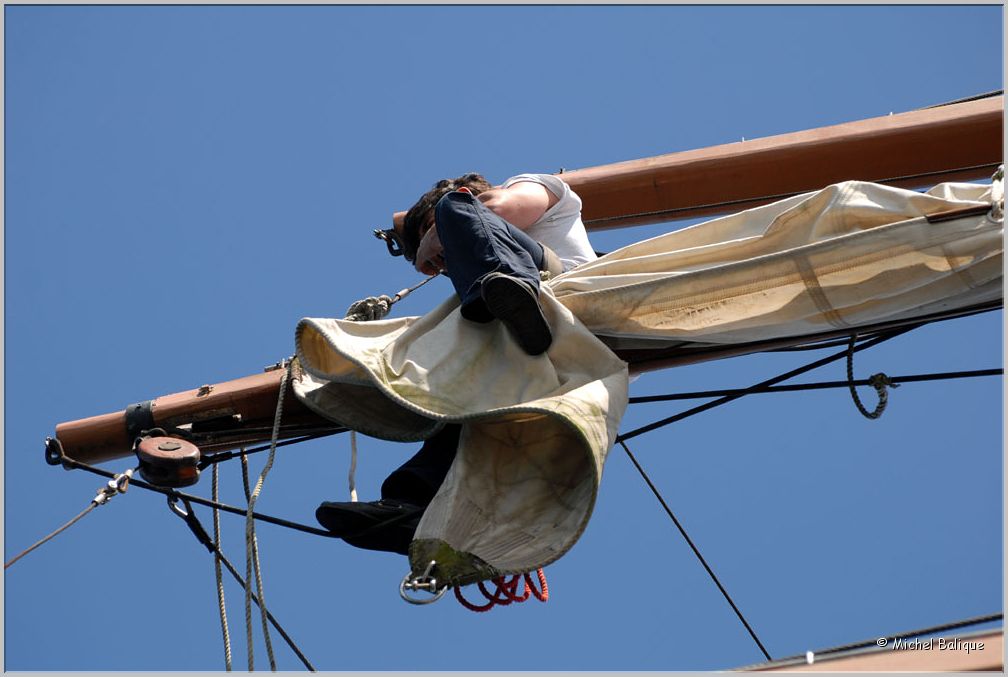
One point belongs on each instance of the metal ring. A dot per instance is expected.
(173, 505)
(416, 600)
(422, 582)
(53, 451)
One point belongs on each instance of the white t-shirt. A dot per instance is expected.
(560, 228)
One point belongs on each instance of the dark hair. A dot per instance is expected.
(419, 213)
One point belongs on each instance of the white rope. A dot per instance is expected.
(353, 466)
(251, 543)
(220, 578)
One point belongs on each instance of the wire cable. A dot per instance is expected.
(821, 385)
(189, 516)
(72, 463)
(51, 536)
(696, 551)
(957, 625)
(769, 382)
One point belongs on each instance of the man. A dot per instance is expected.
(492, 243)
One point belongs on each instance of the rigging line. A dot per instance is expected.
(696, 551)
(228, 455)
(823, 345)
(769, 382)
(53, 535)
(779, 196)
(978, 620)
(221, 606)
(67, 461)
(913, 378)
(975, 97)
(197, 528)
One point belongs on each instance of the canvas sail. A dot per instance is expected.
(536, 430)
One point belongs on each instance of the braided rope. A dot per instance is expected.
(878, 381)
(220, 578)
(506, 591)
(251, 543)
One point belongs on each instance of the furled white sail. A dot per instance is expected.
(536, 430)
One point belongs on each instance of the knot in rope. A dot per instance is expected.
(369, 309)
(878, 381)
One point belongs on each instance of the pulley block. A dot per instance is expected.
(168, 461)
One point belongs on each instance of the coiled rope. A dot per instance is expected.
(507, 591)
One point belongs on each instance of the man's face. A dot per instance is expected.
(427, 224)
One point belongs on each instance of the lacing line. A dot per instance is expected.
(506, 591)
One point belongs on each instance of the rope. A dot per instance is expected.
(251, 545)
(877, 381)
(353, 466)
(118, 484)
(194, 525)
(696, 551)
(506, 591)
(219, 577)
(797, 387)
(763, 384)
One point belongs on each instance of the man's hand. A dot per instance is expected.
(430, 253)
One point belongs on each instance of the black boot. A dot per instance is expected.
(385, 525)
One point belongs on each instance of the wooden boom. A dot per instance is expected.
(958, 141)
(955, 142)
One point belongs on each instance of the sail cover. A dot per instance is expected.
(536, 430)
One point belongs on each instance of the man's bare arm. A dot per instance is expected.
(521, 204)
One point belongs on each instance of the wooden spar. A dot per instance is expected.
(252, 399)
(229, 414)
(954, 142)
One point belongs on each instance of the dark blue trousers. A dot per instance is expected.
(476, 242)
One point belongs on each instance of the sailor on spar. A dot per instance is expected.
(492, 243)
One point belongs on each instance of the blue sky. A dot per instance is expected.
(183, 184)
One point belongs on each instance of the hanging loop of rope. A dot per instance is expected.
(878, 381)
(507, 591)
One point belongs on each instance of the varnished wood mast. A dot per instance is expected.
(960, 141)
(955, 142)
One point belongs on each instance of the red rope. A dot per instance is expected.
(506, 591)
